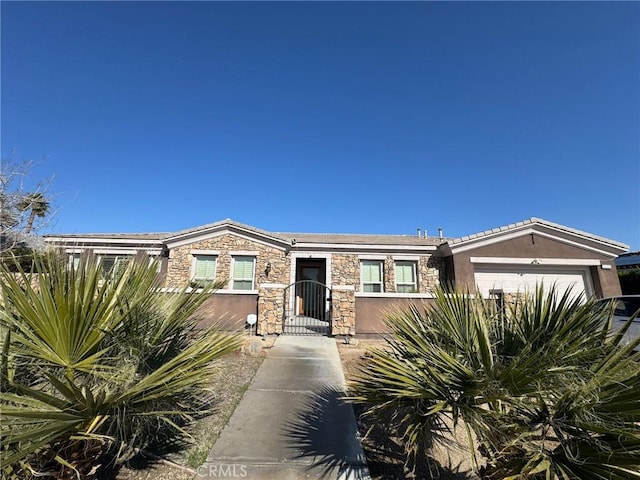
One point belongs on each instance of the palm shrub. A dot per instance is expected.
(94, 366)
(543, 390)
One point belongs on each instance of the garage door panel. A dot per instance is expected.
(523, 280)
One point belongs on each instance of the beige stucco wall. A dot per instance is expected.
(229, 311)
(371, 312)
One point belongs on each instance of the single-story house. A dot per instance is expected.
(341, 284)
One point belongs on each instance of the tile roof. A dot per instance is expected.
(147, 237)
(340, 238)
(221, 223)
(362, 239)
(535, 221)
(334, 238)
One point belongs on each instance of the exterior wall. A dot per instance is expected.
(270, 309)
(370, 312)
(357, 312)
(431, 273)
(353, 310)
(343, 314)
(449, 272)
(226, 306)
(605, 282)
(609, 282)
(180, 259)
(228, 310)
(164, 265)
(345, 270)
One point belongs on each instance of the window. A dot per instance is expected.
(243, 268)
(155, 260)
(372, 275)
(406, 277)
(74, 261)
(204, 268)
(114, 264)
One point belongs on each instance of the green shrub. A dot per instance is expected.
(629, 281)
(94, 366)
(545, 390)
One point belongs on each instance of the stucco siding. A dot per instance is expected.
(370, 312)
(604, 281)
(229, 311)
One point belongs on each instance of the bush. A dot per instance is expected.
(629, 281)
(544, 388)
(94, 367)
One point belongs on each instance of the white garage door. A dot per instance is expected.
(525, 279)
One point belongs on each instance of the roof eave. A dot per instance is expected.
(185, 237)
(536, 225)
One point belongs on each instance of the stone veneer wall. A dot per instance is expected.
(270, 309)
(431, 273)
(346, 271)
(180, 260)
(345, 274)
(343, 311)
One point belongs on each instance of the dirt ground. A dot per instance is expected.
(234, 373)
(384, 452)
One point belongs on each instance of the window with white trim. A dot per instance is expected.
(406, 278)
(114, 264)
(155, 260)
(243, 273)
(372, 275)
(74, 261)
(204, 268)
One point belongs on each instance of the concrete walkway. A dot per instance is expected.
(291, 423)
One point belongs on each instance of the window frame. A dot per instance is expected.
(157, 260)
(413, 286)
(194, 267)
(232, 283)
(118, 258)
(75, 260)
(364, 284)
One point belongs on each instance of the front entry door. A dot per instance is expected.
(310, 301)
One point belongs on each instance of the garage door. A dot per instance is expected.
(526, 278)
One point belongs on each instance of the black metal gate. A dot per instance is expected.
(307, 309)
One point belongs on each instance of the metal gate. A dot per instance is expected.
(307, 309)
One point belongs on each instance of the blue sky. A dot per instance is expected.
(354, 117)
